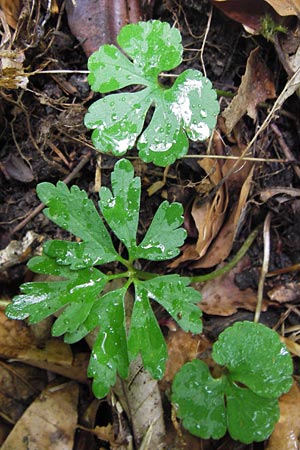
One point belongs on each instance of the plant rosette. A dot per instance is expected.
(79, 293)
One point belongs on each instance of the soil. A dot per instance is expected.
(43, 139)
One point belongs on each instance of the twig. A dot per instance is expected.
(204, 39)
(66, 180)
(265, 266)
(285, 148)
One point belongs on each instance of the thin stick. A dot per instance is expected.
(265, 267)
(41, 206)
(204, 40)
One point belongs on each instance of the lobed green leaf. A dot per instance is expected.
(163, 236)
(121, 208)
(73, 211)
(187, 109)
(245, 399)
(255, 356)
(173, 293)
(39, 300)
(145, 336)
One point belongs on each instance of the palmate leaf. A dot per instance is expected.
(78, 293)
(254, 356)
(188, 109)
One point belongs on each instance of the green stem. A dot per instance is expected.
(242, 251)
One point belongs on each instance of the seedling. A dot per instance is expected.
(255, 368)
(79, 294)
(187, 109)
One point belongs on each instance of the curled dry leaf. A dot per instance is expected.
(257, 85)
(288, 292)
(239, 185)
(247, 13)
(287, 429)
(209, 215)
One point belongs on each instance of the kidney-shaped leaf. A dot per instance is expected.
(255, 356)
(199, 400)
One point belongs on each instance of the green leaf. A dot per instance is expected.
(180, 301)
(109, 355)
(188, 108)
(38, 300)
(145, 336)
(252, 355)
(199, 400)
(164, 236)
(73, 211)
(255, 356)
(121, 208)
(250, 417)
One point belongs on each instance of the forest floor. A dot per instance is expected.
(42, 138)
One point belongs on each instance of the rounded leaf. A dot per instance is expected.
(255, 356)
(249, 416)
(199, 400)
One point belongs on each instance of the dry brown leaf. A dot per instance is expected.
(49, 422)
(222, 297)
(286, 7)
(19, 385)
(18, 342)
(292, 346)
(11, 10)
(287, 429)
(248, 13)
(287, 292)
(209, 215)
(183, 347)
(222, 245)
(256, 86)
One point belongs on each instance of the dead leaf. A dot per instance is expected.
(19, 385)
(11, 10)
(49, 422)
(183, 347)
(287, 429)
(247, 13)
(17, 342)
(241, 183)
(285, 293)
(209, 214)
(99, 22)
(292, 346)
(222, 296)
(286, 7)
(257, 85)
(12, 75)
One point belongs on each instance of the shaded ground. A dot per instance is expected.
(43, 139)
